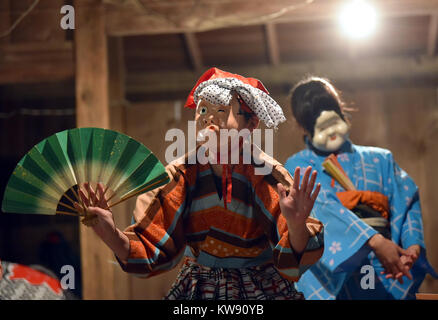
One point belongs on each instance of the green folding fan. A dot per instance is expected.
(47, 178)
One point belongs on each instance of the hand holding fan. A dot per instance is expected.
(47, 178)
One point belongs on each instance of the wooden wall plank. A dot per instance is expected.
(373, 70)
(33, 62)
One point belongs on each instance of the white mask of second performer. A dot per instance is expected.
(330, 131)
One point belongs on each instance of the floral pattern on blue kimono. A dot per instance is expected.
(338, 273)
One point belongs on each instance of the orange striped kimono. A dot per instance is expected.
(249, 231)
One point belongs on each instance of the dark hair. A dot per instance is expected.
(311, 96)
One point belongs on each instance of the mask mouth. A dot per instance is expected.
(203, 133)
(333, 138)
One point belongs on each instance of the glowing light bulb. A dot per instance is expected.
(358, 19)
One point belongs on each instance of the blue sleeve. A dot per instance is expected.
(406, 218)
(404, 202)
(345, 235)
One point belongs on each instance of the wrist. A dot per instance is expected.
(375, 240)
(297, 227)
(298, 237)
(116, 241)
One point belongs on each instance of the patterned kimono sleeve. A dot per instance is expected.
(156, 239)
(406, 217)
(346, 235)
(267, 209)
(406, 220)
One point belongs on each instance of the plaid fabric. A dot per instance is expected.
(197, 282)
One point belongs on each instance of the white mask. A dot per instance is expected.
(330, 131)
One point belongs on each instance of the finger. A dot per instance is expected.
(296, 185)
(281, 191)
(407, 261)
(311, 183)
(305, 182)
(401, 269)
(84, 198)
(315, 193)
(102, 201)
(78, 207)
(399, 277)
(406, 272)
(93, 196)
(87, 188)
(413, 255)
(394, 270)
(402, 251)
(392, 273)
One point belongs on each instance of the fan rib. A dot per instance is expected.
(147, 188)
(66, 205)
(69, 213)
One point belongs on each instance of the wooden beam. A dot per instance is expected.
(187, 16)
(193, 51)
(117, 112)
(34, 62)
(403, 69)
(432, 35)
(92, 110)
(91, 66)
(272, 44)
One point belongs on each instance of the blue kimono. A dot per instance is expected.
(348, 265)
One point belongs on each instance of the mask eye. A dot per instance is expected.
(203, 110)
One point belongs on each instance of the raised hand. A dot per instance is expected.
(100, 218)
(297, 205)
(96, 209)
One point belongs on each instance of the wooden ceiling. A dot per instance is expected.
(294, 42)
(167, 44)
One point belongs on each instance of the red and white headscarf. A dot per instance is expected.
(217, 87)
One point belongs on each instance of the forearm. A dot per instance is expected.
(298, 237)
(118, 242)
